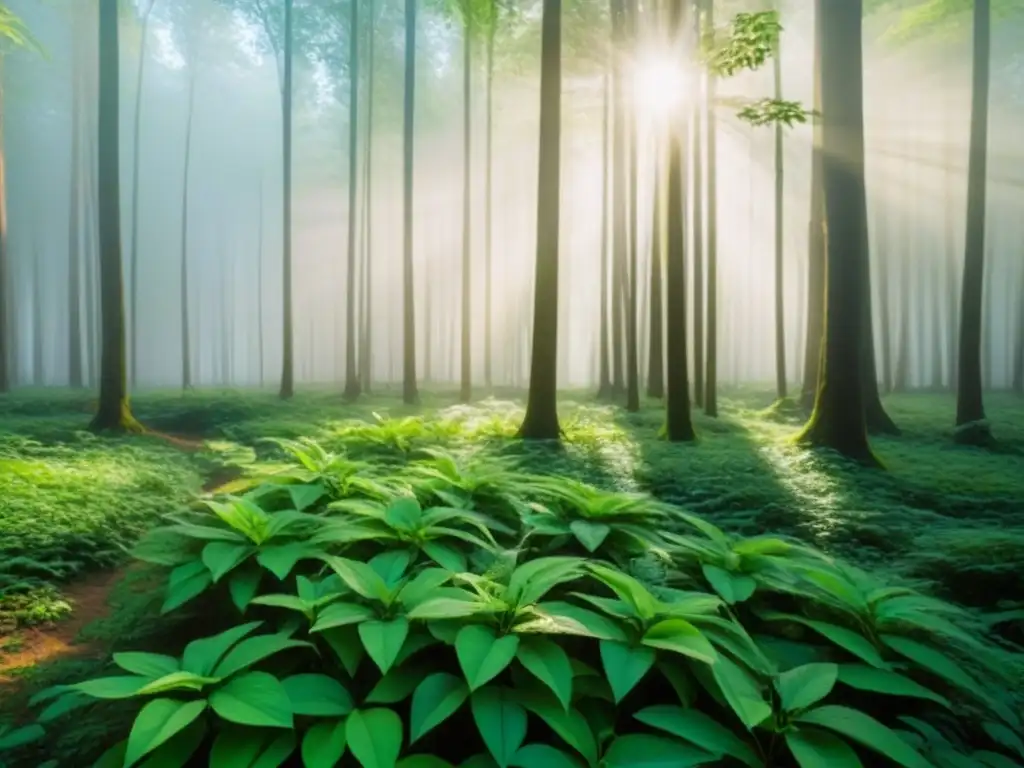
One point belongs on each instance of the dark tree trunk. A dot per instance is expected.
(351, 366)
(876, 419)
(838, 421)
(656, 355)
(288, 335)
(466, 378)
(987, 362)
(970, 407)
(953, 267)
(541, 419)
(698, 227)
(780, 276)
(884, 251)
(488, 198)
(76, 374)
(6, 315)
(902, 371)
(186, 330)
(936, 326)
(632, 341)
(604, 389)
(114, 412)
(1018, 358)
(409, 392)
(711, 347)
(619, 192)
(38, 342)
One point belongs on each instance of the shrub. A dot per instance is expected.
(406, 623)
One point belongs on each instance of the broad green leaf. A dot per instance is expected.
(18, 737)
(254, 649)
(865, 730)
(732, 587)
(251, 748)
(157, 722)
(447, 557)
(391, 565)
(324, 744)
(359, 577)
(848, 640)
(347, 646)
(305, 495)
(289, 602)
(243, 584)
(803, 686)
(201, 656)
(254, 698)
(383, 640)
(546, 660)
(280, 559)
(680, 636)
(639, 750)
(177, 681)
(482, 654)
(221, 557)
(397, 684)
(113, 757)
(814, 748)
(741, 691)
(403, 514)
(865, 678)
(151, 665)
(436, 699)
(542, 756)
(628, 589)
(319, 695)
(177, 751)
(679, 678)
(934, 661)
(340, 614)
(60, 707)
(123, 687)
(501, 722)
(439, 608)
(700, 730)
(590, 535)
(374, 737)
(571, 726)
(423, 585)
(625, 666)
(423, 761)
(186, 582)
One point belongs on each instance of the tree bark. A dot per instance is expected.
(541, 419)
(604, 390)
(711, 347)
(409, 392)
(619, 192)
(76, 374)
(698, 226)
(632, 340)
(466, 375)
(186, 330)
(6, 315)
(780, 276)
(352, 387)
(288, 333)
(366, 345)
(492, 30)
(656, 355)
(884, 251)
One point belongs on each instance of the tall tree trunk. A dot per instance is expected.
(409, 392)
(351, 367)
(6, 296)
(884, 250)
(489, 198)
(38, 341)
(133, 254)
(541, 419)
(186, 330)
(656, 355)
(987, 301)
(632, 361)
(936, 326)
(698, 223)
(780, 277)
(466, 378)
(877, 421)
(678, 422)
(711, 347)
(619, 242)
(367, 330)
(970, 407)
(260, 342)
(838, 421)
(604, 389)
(953, 263)
(76, 374)
(902, 371)
(1018, 358)
(288, 333)
(114, 412)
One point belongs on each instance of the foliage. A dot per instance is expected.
(13, 30)
(354, 638)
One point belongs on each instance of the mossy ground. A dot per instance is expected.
(948, 514)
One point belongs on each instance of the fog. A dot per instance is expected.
(917, 97)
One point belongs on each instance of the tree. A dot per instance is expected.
(837, 421)
(541, 419)
(780, 282)
(352, 386)
(492, 31)
(698, 221)
(711, 343)
(632, 340)
(468, 11)
(114, 411)
(76, 374)
(619, 241)
(288, 341)
(656, 352)
(604, 389)
(186, 329)
(409, 393)
(970, 408)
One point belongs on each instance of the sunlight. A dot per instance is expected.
(659, 85)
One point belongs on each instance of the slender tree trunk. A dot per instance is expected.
(6, 297)
(656, 355)
(902, 371)
(76, 374)
(632, 341)
(367, 334)
(114, 412)
(877, 421)
(1018, 359)
(780, 277)
(288, 332)
(488, 200)
(698, 224)
(619, 242)
(970, 407)
(409, 392)
(936, 326)
(711, 348)
(260, 342)
(541, 419)
(38, 341)
(838, 420)
(604, 389)
(466, 378)
(987, 301)
(884, 251)
(953, 265)
(351, 367)
(186, 330)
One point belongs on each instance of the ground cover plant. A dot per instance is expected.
(454, 590)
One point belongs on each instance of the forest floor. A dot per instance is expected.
(71, 502)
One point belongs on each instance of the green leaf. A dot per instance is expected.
(403, 514)
(482, 654)
(340, 614)
(123, 687)
(359, 577)
(803, 686)
(186, 582)
(680, 636)
(374, 737)
(151, 665)
(501, 722)
(572, 619)
(251, 748)
(113, 757)
(741, 691)
(318, 695)
(447, 557)
(177, 751)
(439, 608)
(629, 590)
(639, 750)
(397, 684)
(280, 559)
(865, 678)
(201, 656)
(546, 660)
(624, 666)
(571, 726)
(221, 556)
(814, 748)
(177, 681)
(254, 649)
(289, 602)
(254, 698)
(590, 535)
(699, 729)
(347, 646)
(383, 640)
(436, 699)
(12, 739)
(391, 565)
(865, 730)
(305, 495)
(542, 756)
(324, 744)
(423, 761)
(732, 587)
(935, 662)
(243, 585)
(157, 722)
(847, 639)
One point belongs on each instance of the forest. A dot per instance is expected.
(511, 383)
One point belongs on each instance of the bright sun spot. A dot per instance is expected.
(658, 85)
